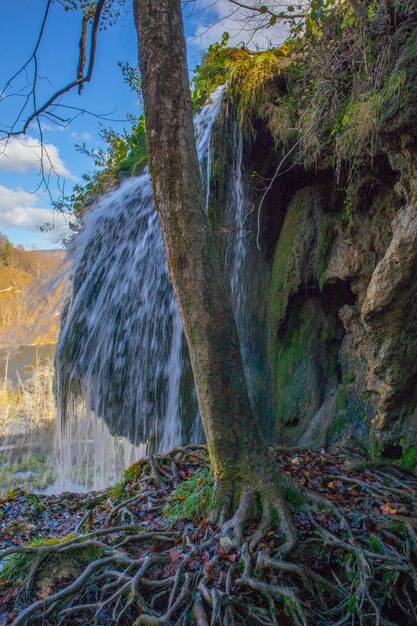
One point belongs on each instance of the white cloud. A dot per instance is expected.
(53, 128)
(86, 136)
(17, 210)
(22, 154)
(12, 197)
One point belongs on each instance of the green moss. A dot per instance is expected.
(341, 399)
(386, 581)
(52, 541)
(294, 496)
(340, 412)
(339, 424)
(16, 568)
(376, 544)
(36, 502)
(246, 74)
(134, 471)
(288, 356)
(304, 226)
(286, 269)
(119, 493)
(131, 474)
(409, 458)
(327, 224)
(298, 357)
(352, 604)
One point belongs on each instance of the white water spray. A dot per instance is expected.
(122, 355)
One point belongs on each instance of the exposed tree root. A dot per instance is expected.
(348, 556)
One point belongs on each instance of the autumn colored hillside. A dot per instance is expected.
(30, 290)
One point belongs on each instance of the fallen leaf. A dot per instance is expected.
(174, 556)
(387, 509)
(230, 557)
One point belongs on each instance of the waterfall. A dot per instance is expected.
(122, 356)
(123, 376)
(248, 275)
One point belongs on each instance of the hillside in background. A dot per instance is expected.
(30, 290)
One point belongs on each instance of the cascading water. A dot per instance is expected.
(122, 353)
(248, 274)
(123, 375)
(237, 245)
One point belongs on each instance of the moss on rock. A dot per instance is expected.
(409, 459)
(303, 366)
(287, 267)
(302, 330)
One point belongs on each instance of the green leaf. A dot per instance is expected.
(263, 9)
(273, 20)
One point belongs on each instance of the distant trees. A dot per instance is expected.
(6, 250)
(18, 257)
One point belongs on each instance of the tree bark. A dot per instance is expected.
(240, 456)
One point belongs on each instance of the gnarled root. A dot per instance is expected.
(318, 563)
(274, 510)
(245, 496)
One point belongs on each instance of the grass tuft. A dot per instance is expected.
(192, 499)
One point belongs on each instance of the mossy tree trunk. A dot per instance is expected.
(242, 465)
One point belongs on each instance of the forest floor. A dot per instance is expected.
(143, 552)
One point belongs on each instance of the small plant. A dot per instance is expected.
(36, 503)
(119, 493)
(192, 499)
(246, 73)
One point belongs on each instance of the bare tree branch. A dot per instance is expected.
(267, 11)
(83, 50)
(80, 80)
(34, 53)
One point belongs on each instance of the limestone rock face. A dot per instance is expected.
(390, 316)
(342, 319)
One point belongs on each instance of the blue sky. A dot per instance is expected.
(22, 205)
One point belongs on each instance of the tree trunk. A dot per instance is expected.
(241, 460)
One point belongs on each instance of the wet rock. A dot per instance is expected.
(390, 316)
